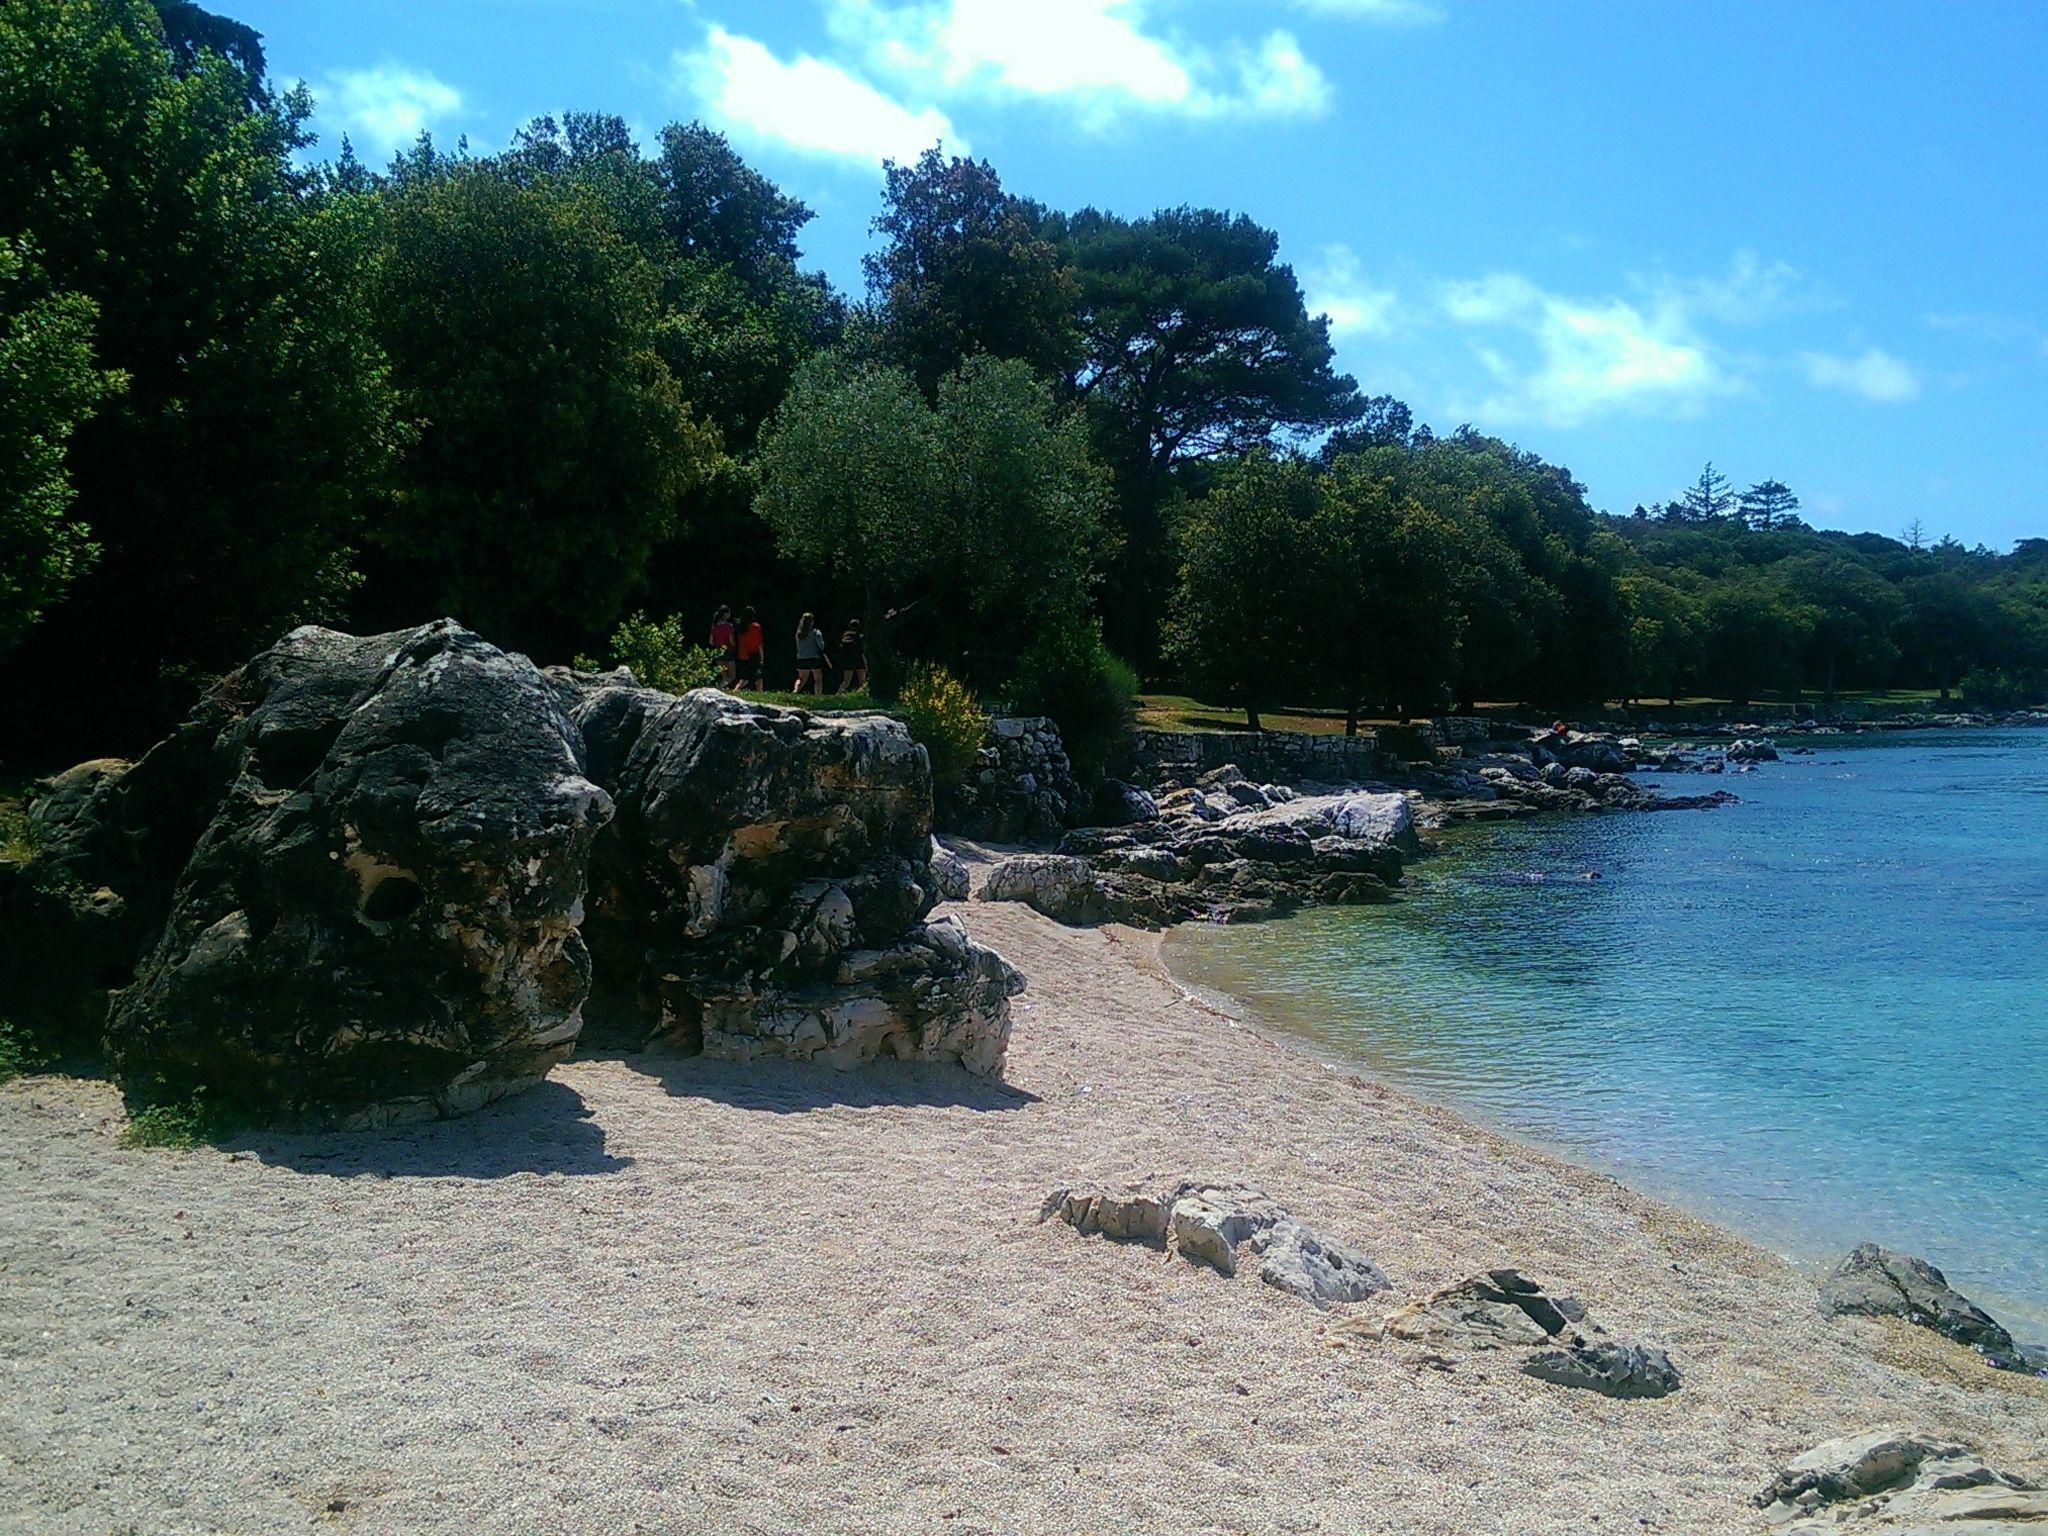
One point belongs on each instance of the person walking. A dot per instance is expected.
(749, 645)
(811, 660)
(853, 658)
(722, 642)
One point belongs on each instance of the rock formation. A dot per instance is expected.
(1233, 852)
(357, 885)
(1875, 1282)
(1221, 1224)
(1505, 1309)
(1900, 1481)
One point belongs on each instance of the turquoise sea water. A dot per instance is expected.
(1819, 1016)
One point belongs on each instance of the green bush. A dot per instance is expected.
(1092, 696)
(1991, 689)
(20, 1053)
(943, 715)
(662, 657)
(190, 1122)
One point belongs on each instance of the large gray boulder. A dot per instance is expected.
(379, 921)
(765, 886)
(1876, 1282)
(356, 886)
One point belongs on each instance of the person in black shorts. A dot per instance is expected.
(853, 658)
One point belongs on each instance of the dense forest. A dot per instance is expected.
(552, 388)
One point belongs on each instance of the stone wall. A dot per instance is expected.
(1022, 789)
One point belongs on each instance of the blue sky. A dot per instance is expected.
(1804, 240)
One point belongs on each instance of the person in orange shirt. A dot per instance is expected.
(749, 645)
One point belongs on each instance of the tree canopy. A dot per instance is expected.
(582, 377)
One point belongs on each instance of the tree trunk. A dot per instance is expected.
(1828, 692)
(1251, 717)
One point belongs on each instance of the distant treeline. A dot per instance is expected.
(546, 389)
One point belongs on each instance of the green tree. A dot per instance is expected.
(1754, 633)
(226, 484)
(1665, 629)
(964, 271)
(52, 384)
(983, 509)
(1854, 613)
(1196, 349)
(1385, 606)
(524, 331)
(1708, 498)
(1768, 504)
(1238, 624)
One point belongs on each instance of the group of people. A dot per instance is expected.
(743, 653)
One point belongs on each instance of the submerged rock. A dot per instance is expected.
(1876, 1282)
(1220, 1225)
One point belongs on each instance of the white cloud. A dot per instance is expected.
(1098, 58)
(1560, 360)
(1875, 375)
(1400, 13)
(387, 107)
(806, 104)
(1336, 286)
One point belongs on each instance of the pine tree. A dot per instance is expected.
(1768, 504)
(1710, 497)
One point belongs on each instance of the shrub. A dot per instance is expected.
(944, 717)
(1091, 695)
(1988, 689)
(20, 1053)
(190, 1122)
(661, 657)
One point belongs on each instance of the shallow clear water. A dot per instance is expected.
(1820, 1015)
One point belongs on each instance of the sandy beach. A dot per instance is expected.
(676, 1295)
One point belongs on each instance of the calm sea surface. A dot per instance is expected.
(1819, 1016)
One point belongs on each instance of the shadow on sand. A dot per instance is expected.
(798, 1087)
(547, 1129)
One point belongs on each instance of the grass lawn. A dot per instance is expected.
(827, 704)
(1182, 712)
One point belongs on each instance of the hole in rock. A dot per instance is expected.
(392, 897)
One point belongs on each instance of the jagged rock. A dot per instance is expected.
(1499, 1309)
(1876, 1282)
(380, 919)
(1118, 804)
(354, 887)
(764, 888)
(1902, 1482)
(1386, 820)
(1218, 1225)
(1613, 1370)
(1746, 750)
(949, 874)
(1060, 886)
(1505, 1309)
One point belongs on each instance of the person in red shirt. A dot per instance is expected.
(749, 644)
(722, 642)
